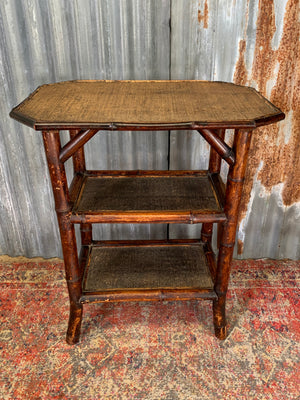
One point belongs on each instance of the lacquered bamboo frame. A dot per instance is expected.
(56, 156)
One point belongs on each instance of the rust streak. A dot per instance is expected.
(203, 17)
(240, 74)
(277, 76)
(240, 246)
(279, 159)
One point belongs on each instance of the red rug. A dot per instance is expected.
(150, 351)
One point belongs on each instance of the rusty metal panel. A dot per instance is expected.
(255, 43)
(54, 40)
(252, 42)
(274, 159)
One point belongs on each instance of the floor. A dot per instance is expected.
(162, 350)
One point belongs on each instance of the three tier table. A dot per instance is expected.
(146, 270)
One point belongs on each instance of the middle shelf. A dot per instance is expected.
(147, 196)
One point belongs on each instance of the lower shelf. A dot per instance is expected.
(120, 271)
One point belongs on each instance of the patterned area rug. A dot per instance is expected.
(163, 350)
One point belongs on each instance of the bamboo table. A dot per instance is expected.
(146, 270)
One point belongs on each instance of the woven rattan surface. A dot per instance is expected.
(112, 103)
(113, 268)
(146, 194)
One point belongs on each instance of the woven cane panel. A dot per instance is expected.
(143, 102)
(147, 267)
(146, 194)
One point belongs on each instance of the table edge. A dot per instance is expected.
(119, 126)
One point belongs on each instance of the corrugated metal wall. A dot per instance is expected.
(251, 42)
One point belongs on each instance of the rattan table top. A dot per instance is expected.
(123, 105)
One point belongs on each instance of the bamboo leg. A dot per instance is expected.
(79, 168)
(214, 168)
(67, 232)
(206, 232)
(232, 201)
(220, 233)
(215, 158)
(86, 234)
